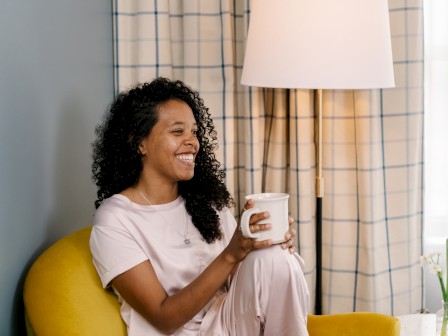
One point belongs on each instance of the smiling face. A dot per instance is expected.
(171, 147)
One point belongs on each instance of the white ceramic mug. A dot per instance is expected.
(277, 206)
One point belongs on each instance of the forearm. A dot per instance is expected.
(178, 309)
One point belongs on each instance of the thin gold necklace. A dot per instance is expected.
(187, 240)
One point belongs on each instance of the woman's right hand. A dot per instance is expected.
(240, 246)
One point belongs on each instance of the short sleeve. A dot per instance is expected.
(113, 248)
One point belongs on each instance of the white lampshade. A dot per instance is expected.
(319, 44)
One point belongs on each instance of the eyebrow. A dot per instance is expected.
(181, 123)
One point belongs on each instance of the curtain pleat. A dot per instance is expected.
(372, 155)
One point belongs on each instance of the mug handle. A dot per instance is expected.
(245, 223)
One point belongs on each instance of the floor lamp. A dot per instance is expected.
(319, 44)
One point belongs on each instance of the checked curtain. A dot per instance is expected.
(373, 140)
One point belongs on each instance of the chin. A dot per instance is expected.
(186, 177)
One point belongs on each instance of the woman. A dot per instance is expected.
(163, 237)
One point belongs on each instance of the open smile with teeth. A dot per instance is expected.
(187, 158)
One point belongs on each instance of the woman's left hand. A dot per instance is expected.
(289, 236)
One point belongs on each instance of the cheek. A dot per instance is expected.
(166, 146)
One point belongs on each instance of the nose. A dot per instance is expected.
(191, 140)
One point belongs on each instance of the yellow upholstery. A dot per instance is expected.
(351, 324)
(63, 296)
(63, 293)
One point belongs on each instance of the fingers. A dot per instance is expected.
(254, 226)
(291, 233)
(249, 204)
(261, 244)
(289, 244)
(252, 244)
(259, 227)
(258, 217)
(248, 244)
(289, 241)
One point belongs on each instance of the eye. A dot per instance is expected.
(194, 132)
(178, 131)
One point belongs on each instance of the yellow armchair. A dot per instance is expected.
(63, 293)
(63, 296)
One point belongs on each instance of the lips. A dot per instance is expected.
(187, 158)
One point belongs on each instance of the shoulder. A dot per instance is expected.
(112, 210)
(116, 201)
(112, 225)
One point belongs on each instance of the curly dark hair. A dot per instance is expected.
(117, 161)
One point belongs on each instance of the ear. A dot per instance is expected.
(142, 148)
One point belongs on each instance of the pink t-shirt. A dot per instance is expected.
(125, 234)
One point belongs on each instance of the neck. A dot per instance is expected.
(156, 193)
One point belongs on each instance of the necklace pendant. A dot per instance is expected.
(187, 241)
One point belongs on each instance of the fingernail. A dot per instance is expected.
(288, 236)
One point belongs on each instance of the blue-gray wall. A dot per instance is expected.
(56, 81)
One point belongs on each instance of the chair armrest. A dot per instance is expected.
(362, 323)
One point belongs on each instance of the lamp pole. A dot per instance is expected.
(319, 196)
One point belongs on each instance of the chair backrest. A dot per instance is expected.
(63, 293)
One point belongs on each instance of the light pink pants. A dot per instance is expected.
(268, 296)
